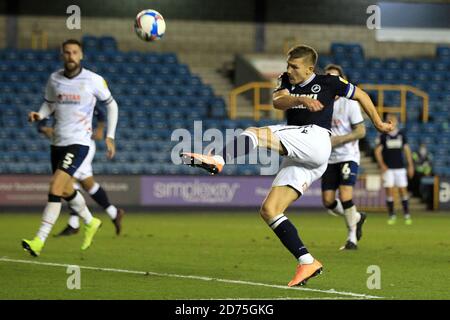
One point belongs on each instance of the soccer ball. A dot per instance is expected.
(149, 25)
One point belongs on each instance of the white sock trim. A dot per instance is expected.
(111, 211)
(275, 221)
(306, 259)
(94, 189)
(74, 221)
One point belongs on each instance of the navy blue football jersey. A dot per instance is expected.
(393, 144)
(320, 87)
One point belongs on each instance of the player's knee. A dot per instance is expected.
(328, 198)
(345, 197)
(268, 211)
(56, 189)
(87, 184)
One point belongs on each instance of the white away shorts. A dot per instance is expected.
(85, 169)
(308, 148)
(395, 178)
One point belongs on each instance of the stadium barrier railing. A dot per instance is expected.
(403, 89)
(258, 106)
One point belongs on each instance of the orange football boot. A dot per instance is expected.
(305, 272)
(212, 164)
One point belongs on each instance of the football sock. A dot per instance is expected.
(111, 211)
(405, 207)
(240, 146)
(99, 195)
(390, 205)
(288, 235)
(74, 220)
(49, 216)
(337, 207)
(352, 217)
(77, 203)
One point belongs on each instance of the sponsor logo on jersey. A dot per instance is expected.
(394, 143)
(310, 95)
(68, 98)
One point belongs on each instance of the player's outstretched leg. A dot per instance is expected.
(240, 146)
(277, 201)
(243, 144)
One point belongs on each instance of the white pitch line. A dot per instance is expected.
(171, 275)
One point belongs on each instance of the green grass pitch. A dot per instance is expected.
(229, 256)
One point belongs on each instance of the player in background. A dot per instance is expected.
(305, 142)
(71, 94)
(389, 154)
(347, 127)
(85, 177)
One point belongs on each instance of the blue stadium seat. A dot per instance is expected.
(392, 64)
(374, 63)
(443, 52)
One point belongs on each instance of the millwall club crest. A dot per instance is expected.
(315, 88)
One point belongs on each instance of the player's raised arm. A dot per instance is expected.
(367, 104)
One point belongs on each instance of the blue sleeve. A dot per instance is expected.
(342, 87)
(100, 113)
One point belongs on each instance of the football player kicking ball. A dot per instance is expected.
(347, 127)
(71, 94)
(305, 142)
(85, 178)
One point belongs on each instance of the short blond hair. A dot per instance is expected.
(303, 51)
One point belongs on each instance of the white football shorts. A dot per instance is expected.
(85, 169)
(395, 178)
(309, 148)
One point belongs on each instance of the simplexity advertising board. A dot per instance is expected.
(177, 191)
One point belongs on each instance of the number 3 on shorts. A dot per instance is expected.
(67, 160)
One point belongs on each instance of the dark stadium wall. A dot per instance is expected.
(348, 12)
